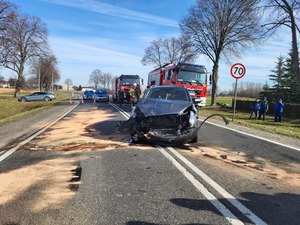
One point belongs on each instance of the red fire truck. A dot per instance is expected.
(194, 77)
(126, 82)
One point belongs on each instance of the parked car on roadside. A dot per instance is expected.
(88, 94)
(37, 96)
(101, 95)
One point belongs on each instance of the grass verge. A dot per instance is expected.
(12, 110)
(288, 127)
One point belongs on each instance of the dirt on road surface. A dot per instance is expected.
(51, 181)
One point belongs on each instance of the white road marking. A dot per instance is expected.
(124, 113)
(254, 136)
(12, 150)
(213, 200)
(219, 189)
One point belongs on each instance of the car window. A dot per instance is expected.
(101, 92)
(168, 94)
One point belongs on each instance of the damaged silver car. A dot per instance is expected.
(165, 115)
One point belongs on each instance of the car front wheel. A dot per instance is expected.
(24, 100)
(47, 99)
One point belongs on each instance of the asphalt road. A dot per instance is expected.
(143, 184)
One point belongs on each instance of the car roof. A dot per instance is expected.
(168, 87)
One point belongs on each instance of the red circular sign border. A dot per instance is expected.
(234, 66)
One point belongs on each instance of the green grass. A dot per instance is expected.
(12, 110)
(288, 127)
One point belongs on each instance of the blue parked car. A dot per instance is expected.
(88, 94)
(101, 95)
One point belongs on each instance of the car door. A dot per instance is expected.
(33, 96)
(39, 96)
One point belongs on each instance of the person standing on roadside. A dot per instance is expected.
(138, 92)
(121, 96)
(263, 108)
(255, 107)
(278, 109)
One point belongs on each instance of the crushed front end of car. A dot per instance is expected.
(163, 122)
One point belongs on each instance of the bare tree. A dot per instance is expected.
(284, 13)
(96, 77)
(69, 83)
(7, 11)
(172, 50)
(45, 71)
(25, 38)
(222, 27)
(107, 77)
(248, 89)
(154, 54)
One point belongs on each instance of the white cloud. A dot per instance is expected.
(111, 10)
(80, 56)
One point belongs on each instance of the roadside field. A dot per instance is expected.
(288, 127)
(12, 110)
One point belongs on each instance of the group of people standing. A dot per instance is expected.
(259, 109)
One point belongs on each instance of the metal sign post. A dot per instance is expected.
(234, 99)
(237, 71)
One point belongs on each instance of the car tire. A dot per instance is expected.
(23, 100)
(47, 99)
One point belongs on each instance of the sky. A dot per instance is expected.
(112, 35)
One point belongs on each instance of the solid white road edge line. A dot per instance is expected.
(255, 219)
(12, 150)
(252, 135)
(213, 200)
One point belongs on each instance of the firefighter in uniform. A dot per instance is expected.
(133, 97)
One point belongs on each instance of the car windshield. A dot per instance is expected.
(89, 92)
(100, 92)
(191, 77)
(176, 94)
(129, 82)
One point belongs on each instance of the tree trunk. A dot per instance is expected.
(19, 80)
(295, 57)
(215, 78)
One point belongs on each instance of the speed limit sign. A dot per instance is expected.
(237, 70)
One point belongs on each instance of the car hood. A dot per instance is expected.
(158, 107)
